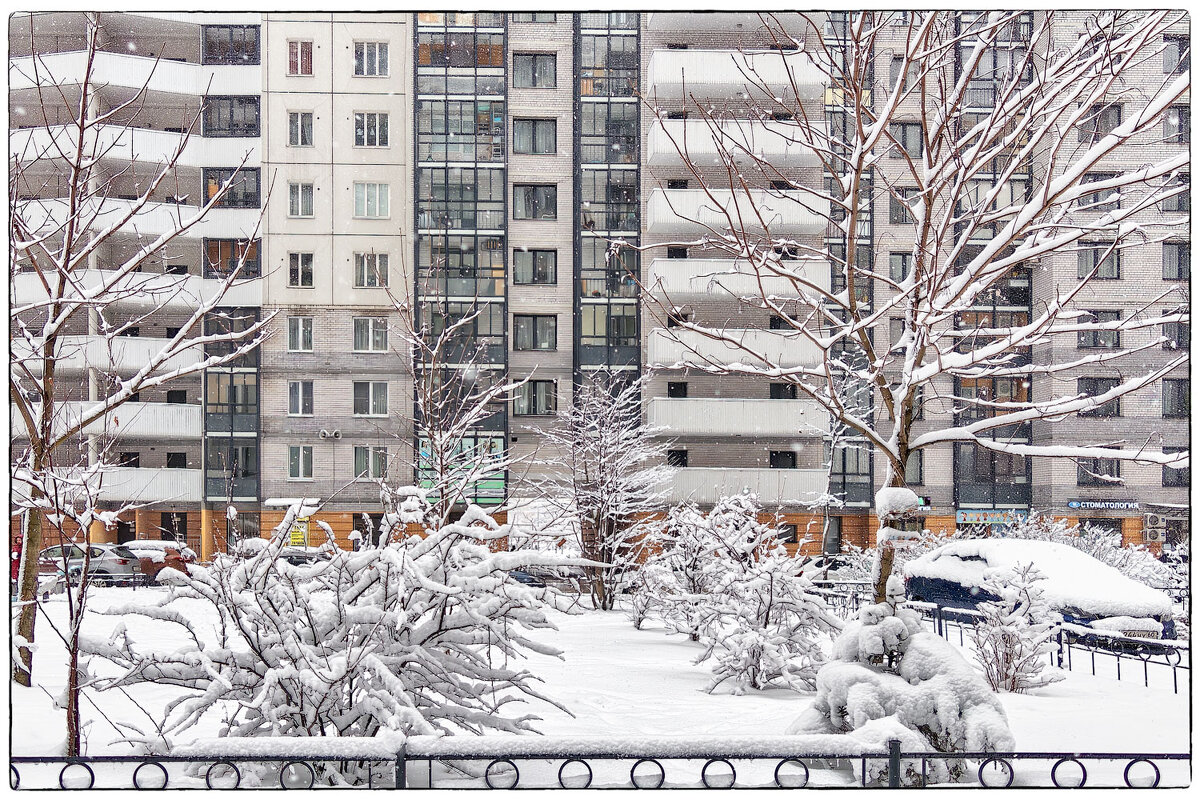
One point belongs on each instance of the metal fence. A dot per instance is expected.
(669, 762)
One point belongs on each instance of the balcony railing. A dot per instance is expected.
(119, 354)
(734, 75)
(147, 290)
(129, 420)
(126, 145)
(686, 347)
(153, 220)
(706, 144)
(704, 416)
(727, 277)
(151, 485)
(132, 72)
(685, 211)
(773, 486)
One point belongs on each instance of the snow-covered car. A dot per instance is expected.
(155, 555)
(1083, 590)
(108, 563)
(527, 578)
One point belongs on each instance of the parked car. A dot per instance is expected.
(155, 555)
(108, 563)
(1080, 588)
(521, 576)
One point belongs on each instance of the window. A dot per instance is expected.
(535, 398)
(223, 256)
(370, 462)
(370, 129)
(371, 200)
(1176, 397)
(370, 335)
(1176, 258)
(1100, 121)
(531, 17)
(533, 70)
(1177, 54)
(300, 129)
(1094, 387)
(782, 459)
(608, 325)
(300, 398)
(230, 44)
(895, 333)
(677, 458)
(783, 391)
(370, 398)
(535, 201)
(176, 460)
(914, 468)
(174, 525)
(776, 323)
(677, 389)
(300, 335)
(1102, 257)
(898, 210)
(1098, 472)
(535, 332)
(677, 183)
(1103, 200)
(300, 270)
(786, 533)
(908, 139)
(677, 317)
(899, 265)
(300, 58)
(1176, 477)
(1102, 526)
(242, 191)
(371, 59)
(1178, 335)
(231, 116)
(177, 397)
(300, 462)
(300, 199)
(129, 459)
(535, 267)
(535, 136)
(1177, 124)
(370, 270)
(677, 252)
(1182, 202)
(1108, 339)
(898, 74)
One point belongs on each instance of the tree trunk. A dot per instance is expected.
(22, 671)
(73, 737)
(887, 548)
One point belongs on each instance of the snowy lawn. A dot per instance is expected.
(622, 682)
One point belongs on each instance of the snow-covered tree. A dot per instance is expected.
(1014, 638)
(420, 634)
(605, 471)
(674, 582)
(980, 135)
(84, 273)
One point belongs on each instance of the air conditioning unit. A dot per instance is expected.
(324, 434)
(1155, 521)
(336, 434)
(1154, 535)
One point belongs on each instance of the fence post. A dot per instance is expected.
(893, 763)
(401, 768)
(1060, 646)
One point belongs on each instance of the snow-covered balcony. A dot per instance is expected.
(123, 484)
(680, 278)
(686, 347)
(706, 144)
(687, 212)
(128, 145)
(773, 486)
(132, 72)
(119, 354)
(707, 416)
(153, 220)
(719, 75)
(144, 291)
(130, 421)
(716, 22)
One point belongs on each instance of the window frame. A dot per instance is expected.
(533, 18)
(914, 471)
(214, 177)
(533, 59)
(374, 327)
(902, 132)
(371, 275)
(677, 457)
(1089, 259)
(296, 130)
(533, 267)
(371, 457)
(297, 456)
(212, 104)
(297, 270)
(360, 61)
(774, 456)
(1180, 393)
(1178, 335)
(1094, 386)
(296, 58)
(1180, 203)
(535, 123)
(1090, 471)
(207, 58)
(534, 324)
(1183, 258)
(296, 334)
(372, 399)
(1176, 49)
(526, 397)
(1179, 132)
(1101, 339)
(300, 396)
(1176, 477)
(523, 192)
(898, 211)
(383, 200)
(296, 198)
(366, 122)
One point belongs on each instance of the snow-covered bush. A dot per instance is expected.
(675, 580)
(421, 634)
(1135, 561)
(1013, 639)
(888, 675)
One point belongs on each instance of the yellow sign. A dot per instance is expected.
(299, 532)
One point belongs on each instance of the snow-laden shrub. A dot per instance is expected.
(1013, 638)
(676, 579)
(423, 634)
(887, 671)
(1135, 561)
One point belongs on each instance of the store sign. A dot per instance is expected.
(988, 517)
(1104, 505)
(299, 532)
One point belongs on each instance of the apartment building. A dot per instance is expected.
(485, 164)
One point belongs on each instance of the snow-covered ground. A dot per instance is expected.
(622, 682)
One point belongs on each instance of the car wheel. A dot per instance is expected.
(101, 579)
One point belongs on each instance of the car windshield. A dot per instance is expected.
(122, 552)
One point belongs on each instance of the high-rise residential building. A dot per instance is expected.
(524, 168)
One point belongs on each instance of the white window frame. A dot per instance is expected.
(371, 270)
(301, 454)
(376, 462)
(298, 45)
(296, 198)
(296, 126)
(373, 397)
(297, 327)
(374, 48)
(298, 257)
(367, 194)
(296, 409)
(366, 121)
(373, 327)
